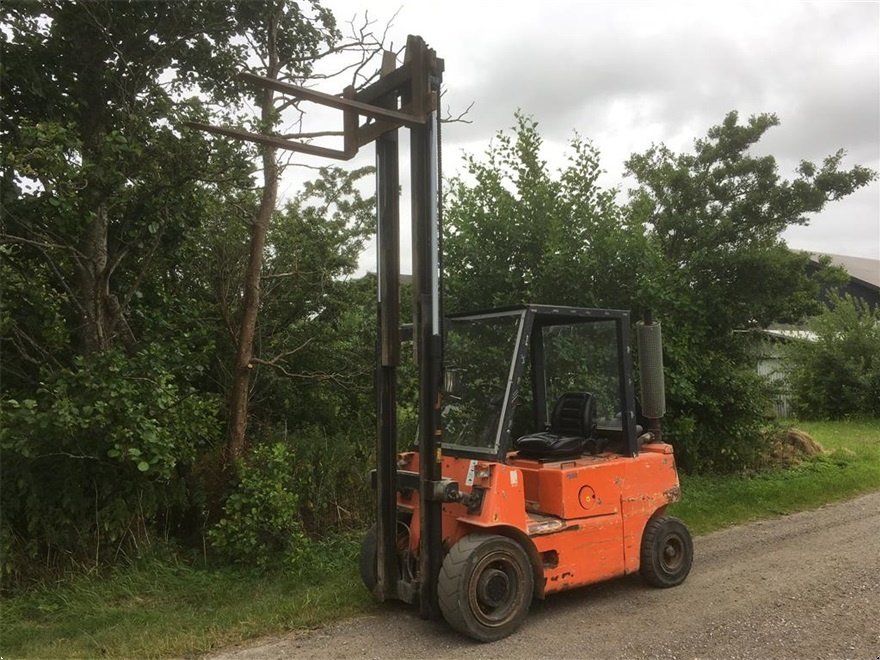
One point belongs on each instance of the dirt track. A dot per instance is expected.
(801, 586)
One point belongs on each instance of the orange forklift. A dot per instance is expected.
(532, 471)
(547, 481)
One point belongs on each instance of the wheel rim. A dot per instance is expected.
(495, 589)
(672, 554)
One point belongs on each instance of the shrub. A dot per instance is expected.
(716, 405)
(90, 462)
(261, 523)
(838, 374)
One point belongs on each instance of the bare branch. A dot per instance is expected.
(335, 377)
(288, 162)
(19, 335)
(274, 361)
(460, 119)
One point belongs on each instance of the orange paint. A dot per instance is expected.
(583, 518)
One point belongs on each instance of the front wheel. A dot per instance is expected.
(485, 586)
(367, 559)
(667, 552)
(369, 554)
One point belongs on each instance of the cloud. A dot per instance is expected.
(629, 74)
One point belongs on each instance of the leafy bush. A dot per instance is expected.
(260, 523)
(716, 421)
(838, 374)
(332, 476)
(97, 454)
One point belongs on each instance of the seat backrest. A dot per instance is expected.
(574, 414)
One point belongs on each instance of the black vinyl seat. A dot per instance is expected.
(572, 424)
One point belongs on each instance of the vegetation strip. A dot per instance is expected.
(164, 607)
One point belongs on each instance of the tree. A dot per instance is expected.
(127, 251)
(109, 333)
(97, 180)
(311, 386)
(717, 216)
(100, 191)
(715, 219)
(838, 374)
(286, 42)
(286, 45)
(520, 234)
(308, 364)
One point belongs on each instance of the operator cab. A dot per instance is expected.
(538, 382)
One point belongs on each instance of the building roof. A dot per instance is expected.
(861, 268)
(787, 333)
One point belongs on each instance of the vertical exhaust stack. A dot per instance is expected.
(651, 383)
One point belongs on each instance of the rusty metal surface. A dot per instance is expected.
(271, 140)
(338, 102)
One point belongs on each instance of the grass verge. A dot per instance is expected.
(162, 608)
(850, 466)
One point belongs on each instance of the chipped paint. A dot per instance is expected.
(588, 514)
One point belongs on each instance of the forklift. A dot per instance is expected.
(533, 471)
(547, 480)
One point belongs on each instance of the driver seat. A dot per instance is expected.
(572, 424)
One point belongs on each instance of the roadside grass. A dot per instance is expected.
(850, 467)
(161, 608)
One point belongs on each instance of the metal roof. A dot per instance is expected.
(861, 268)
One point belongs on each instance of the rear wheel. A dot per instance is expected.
(667, 552)
(485, 586)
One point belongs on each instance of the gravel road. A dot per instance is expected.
(801, 586)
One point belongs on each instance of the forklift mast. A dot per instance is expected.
(405, 96)
(425, 71)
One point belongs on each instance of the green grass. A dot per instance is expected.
(158, 609)
(850, 467)
(162, 608)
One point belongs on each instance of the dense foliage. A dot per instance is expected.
(715, 218)
(135, 256)
(124, 243)
(836, 373)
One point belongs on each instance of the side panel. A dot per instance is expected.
(585, 495)
(650, 484)
(587, 551)
(608, 500)
(577, 489)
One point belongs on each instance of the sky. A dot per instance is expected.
(630, 74)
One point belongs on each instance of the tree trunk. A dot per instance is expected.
(99, 309)
(239, 394)
(102, 317)
(90, 269)
(241, 378)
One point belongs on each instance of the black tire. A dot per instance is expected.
(368, 559)
(667, 552)
(485, 586)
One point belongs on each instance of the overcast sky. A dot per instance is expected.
(629, 74)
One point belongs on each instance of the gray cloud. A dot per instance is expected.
(627, 74)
